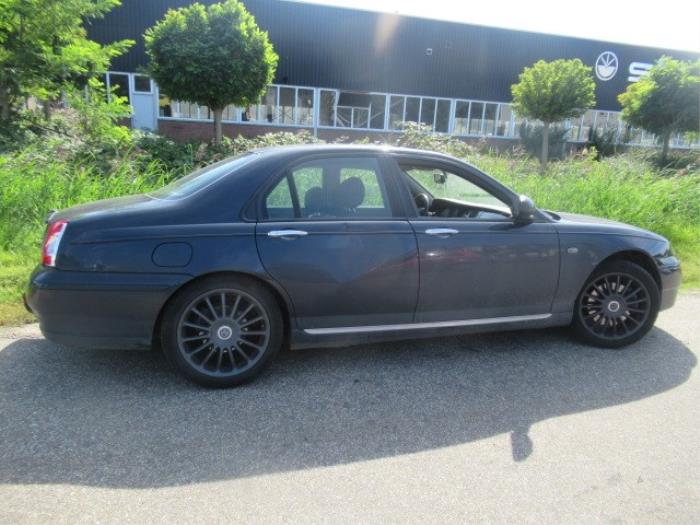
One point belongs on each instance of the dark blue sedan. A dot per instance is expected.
(333, 245)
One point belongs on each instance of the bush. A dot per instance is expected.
(605, 143)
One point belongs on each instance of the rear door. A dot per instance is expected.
(332, 234)
(483, 266)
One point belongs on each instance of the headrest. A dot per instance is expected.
(313, 200)
(351, 193)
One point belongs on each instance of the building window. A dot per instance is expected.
(295, 106)
(326, 113)
(396, 111)
(442, 116)
(476, 116)
(305, 107)
(264, 110)
(118, 83)
(587, 122)
(285, 113)
(142, 84)
(427, 112)
(488, 127)
(412, 112)
(348, 109)
(185, 110)
(505, 116)
(461, 121)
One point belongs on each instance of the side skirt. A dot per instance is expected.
(354, 335)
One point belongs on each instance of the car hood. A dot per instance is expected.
(587, 223)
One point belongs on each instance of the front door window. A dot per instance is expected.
(438, 193)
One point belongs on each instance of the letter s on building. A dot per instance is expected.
(637, 69)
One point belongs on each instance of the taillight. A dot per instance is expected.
(54, 232)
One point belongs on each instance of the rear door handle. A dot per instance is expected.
(287, 234)
(441, 232)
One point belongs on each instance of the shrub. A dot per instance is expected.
(605, 143)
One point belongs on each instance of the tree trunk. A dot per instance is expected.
(46, 106)
(218, 114)
(4, 103)
(666, 137)
(545, 147)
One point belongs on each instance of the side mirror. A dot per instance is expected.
(523, 209)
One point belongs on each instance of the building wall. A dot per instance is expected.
(349, 49)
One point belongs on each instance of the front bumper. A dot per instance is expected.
(99, 309)
(670, 273)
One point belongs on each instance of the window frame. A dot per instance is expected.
(385, 176)
(465, 171)
(150, 84)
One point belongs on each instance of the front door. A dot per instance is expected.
(144, 103)
(332, 236)
(476, 263)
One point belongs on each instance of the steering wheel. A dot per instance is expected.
(422, 201)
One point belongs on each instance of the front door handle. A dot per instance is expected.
(286, 234)
(441, 232)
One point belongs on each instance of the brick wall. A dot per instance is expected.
(184, 130)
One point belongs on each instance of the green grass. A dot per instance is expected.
(624, 188)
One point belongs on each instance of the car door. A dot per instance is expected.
(332, 234)
(481, 267)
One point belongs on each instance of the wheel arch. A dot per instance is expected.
(284, 304)
(638, 257)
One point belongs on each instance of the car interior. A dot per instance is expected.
(343, 201)
(451, 196)
(328, 190)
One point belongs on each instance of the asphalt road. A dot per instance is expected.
(520, 427)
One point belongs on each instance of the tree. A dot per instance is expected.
(664, 101)
(44, 48)
(213, 56)
(551, 92)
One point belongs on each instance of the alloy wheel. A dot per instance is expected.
(223, 333)
(614, 306)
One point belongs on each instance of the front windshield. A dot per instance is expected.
(201, 178)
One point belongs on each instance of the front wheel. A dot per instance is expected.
(222, 332)
(617, 306)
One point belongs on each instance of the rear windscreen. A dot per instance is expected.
(201, 178)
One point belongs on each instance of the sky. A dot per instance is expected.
(672, 24)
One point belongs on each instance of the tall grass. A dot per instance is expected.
(30, 187)
(624, 188)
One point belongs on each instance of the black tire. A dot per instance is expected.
(205, 340)
(617, 306)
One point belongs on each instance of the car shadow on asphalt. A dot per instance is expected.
(125, 419)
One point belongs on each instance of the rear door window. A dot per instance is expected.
(332, 188)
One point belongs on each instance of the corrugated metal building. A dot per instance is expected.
(371, 72)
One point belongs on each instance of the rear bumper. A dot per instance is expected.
(670, 272)
(97, 309)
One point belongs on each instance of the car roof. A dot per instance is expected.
(306, 149)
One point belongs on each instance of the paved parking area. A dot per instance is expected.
(520, 427)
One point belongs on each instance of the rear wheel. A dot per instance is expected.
(617, 306)
(222, 332)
